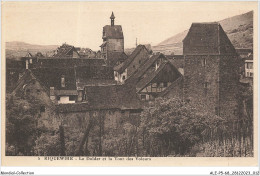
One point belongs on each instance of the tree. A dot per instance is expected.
(171, 127)
(21, 125)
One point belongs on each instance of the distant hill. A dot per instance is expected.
(238, 28)
(15, 49)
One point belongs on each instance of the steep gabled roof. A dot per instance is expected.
(120, 68)
(28, 55)
(26, 77)
(145, 81)
(144, 67)
(113, 32)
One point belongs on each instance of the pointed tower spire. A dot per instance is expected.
(112, 19)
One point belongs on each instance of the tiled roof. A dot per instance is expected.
(114, 57)
(120, 68)
(207, 38)
(113, 32)
(51, 77)
(106, 97)
(145, 81)
(206, 31)
(67, 63)
(27, 76)
(144, 67)
(63, 50)
(177, 61)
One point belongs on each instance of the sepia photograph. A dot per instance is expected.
(129, 79)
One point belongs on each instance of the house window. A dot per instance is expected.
(249, 65)
(140, 61)
(143, 97)
(249, 74)
(165, 84)
(133, 66)
(42, 109)
(58, 98)
(204, 62)
(71, 98)
(62, 81)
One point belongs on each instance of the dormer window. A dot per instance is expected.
(62, 81)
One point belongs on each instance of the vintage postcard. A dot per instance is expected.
(129, 84)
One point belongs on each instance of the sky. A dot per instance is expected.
(81, 23)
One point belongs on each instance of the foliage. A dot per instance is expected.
(27, 133)
(21, 120)
(171, 127)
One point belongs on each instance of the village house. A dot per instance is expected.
(157, 77)
(66, 51)
(211, 69)
(246, 56)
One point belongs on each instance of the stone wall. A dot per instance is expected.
(229, 80)
(116, 45)
(201, 81)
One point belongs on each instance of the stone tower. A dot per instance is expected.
(210, 69)
(113, 39)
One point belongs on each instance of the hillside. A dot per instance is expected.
(238, 28)
(15, 49)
